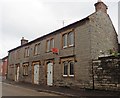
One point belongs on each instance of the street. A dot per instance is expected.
(12, 90)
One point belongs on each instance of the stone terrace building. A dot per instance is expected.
(76, 45)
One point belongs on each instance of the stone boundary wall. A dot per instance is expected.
(106, 74)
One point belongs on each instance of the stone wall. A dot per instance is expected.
(106, 74)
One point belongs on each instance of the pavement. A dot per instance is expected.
(65, 91)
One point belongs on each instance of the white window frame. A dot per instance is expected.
(68, 69)
(70, 40)
(65, 40)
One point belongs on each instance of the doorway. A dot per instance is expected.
(49, 74)
(36, 73)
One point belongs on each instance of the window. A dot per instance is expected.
(18, 54)
(37, 49)
(27, 52)
(12, 56)
(25, 69)
(71, 39)
(68, 68)
(64, 40)
(71, 68)
(65, 68)
(50, 44)
(68, 39)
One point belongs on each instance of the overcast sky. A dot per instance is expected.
(34, 18)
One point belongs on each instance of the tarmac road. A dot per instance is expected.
(12, 90)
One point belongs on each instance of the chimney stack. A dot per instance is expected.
(23, 41)
(100, 6)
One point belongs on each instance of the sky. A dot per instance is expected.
(33, 18)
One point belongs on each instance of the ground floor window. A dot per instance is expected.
(25, 69)
(68, 68)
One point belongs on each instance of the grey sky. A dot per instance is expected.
(34, 18)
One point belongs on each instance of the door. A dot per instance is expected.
(17, 73)
(18, 70)
(50, 74)
(36, 74)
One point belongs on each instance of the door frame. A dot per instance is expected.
(16, 72)
(33, 64)
(46, 62)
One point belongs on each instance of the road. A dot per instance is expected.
(12, 90)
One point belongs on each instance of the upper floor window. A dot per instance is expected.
(27, 52)
(18, 54)
(71, 39)
(12, 56)
(37, 49)
(50, 44)
(64, 40)
(68, 39)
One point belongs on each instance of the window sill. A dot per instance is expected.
(71, 45)
(71, 75)
(65, 75)
(66, 47)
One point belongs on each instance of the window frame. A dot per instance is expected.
(48, 46)
(27, 52)
(65, 40)
(64, 68)
(51, 44)
(18, 54)
(37, 49)
(71, 75)
(68, 68)
(25, 69)
(68, 39)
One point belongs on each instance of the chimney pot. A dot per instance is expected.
(100, 6)
(23, 41)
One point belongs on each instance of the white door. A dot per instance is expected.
(17, 76)
(50, 74)
(36, 74)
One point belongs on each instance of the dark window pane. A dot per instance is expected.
(65, 68)
(71, 68)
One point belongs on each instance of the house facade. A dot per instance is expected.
(4, 66)
(64, 57)
(0, 67)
